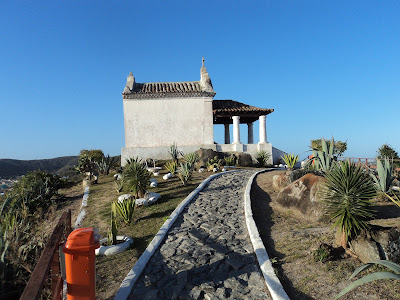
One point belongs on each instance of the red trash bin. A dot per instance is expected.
(80, 263)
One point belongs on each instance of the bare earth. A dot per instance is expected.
(291, 240)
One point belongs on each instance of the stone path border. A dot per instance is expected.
(129, 281)
(274, 286)
(82, 211)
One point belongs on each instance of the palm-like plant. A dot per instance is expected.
(136, 177)
(346, 196)
(371, 277)
(290, 160)
(385, 178)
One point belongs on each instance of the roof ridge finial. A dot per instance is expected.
(202, 62)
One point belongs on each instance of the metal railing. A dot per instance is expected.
(49, 261)
(369, 162)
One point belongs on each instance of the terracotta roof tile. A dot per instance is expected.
(231, 106)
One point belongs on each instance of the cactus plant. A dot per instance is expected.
(185, 173)
(112, 232)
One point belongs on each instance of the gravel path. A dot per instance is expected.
(207, 253)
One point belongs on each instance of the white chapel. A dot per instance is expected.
(159, 114)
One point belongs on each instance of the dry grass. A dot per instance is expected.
(292, 241)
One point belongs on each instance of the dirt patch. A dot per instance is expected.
(291, 242)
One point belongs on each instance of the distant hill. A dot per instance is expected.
(13, 167)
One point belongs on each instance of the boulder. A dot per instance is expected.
(124, 197)
(204, 156)
(378, 243)
(153, 182)
(279, 182)
(167, 176)
(244, 160)
(302, 197)
(152, 197)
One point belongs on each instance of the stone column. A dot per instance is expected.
(227, 134)
(263, 129)
(236, 130)
(250, 133)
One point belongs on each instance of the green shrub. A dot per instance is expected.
(230, 160)
(346, 195)
(262, 158)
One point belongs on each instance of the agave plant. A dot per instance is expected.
(290, 160)
(191, 159)
(372, 277)
(106, 164)
(171, 166)
(126, 208)
(185, 173)
(174, 152)
(385, 178)
(137, 178)
(262, 157)
(346, 196)
(325, 159)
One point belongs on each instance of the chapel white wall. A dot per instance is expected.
(162, 122)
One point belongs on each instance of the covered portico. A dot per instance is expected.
(228, 112)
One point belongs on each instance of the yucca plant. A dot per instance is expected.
(191, 159)
(325, 159)
(171, 166)
(185, 173)
(290, 160)
(385, 179)
(346, 195)
(174, 152)
(136, 177)
(112, 232)
(125, 209)
(372, 277)
(262, 157)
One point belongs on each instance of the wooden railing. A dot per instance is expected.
(49, 260)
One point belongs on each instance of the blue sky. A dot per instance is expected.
(328, 68)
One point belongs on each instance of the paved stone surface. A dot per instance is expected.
(207, 253)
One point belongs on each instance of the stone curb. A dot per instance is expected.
(274, 286)
(82, 212)
(129, 281)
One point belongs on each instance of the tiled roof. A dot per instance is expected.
(230, 107)
(167, 89)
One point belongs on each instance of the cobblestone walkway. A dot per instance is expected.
(207, 253)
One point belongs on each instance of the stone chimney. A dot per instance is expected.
(205, 81)
(130, 82)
